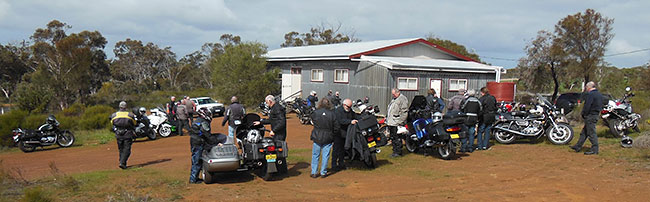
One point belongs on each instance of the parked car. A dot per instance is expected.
(215, 107)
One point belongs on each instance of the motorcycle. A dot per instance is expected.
(252, 151)
(159, 122)
(302, 110)
(143, 125)
(429, 132)
(543, 119)
(618, 115)
(46, 135)
(366, 136)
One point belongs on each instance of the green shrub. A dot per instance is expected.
(96, 117)
(36, 194)
(8, 122)
(33, 121)
(75, 109)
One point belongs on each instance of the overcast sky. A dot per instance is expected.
(497, 30)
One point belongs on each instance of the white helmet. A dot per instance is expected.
(437, 116)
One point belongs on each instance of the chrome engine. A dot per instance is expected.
(530, 127)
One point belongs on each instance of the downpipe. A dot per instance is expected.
(513, 131)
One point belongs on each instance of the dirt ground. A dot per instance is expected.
(515, 172)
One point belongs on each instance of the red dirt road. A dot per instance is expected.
(507, 172)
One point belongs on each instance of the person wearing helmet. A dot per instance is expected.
(312, 99)
(471, 107)
(123, 125)
(199, 132)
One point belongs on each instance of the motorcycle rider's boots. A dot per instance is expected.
(591, 153)
(575, 149)
(122, 166)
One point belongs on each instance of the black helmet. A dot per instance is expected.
(50, 119)
(205, 114)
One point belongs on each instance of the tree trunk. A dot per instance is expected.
(557, 84)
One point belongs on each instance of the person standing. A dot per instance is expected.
(171, 109)
(336, 101)
(471, 107)
(590, 111)
(456, 100)
(200, 130)
(277, 119)
(325, 126)
(123, 125)
(489, 110)
(234, 116)
(190, 106)
(312, 99)
(345, 117)
(434, 103)
(397, 112)
(182, 116)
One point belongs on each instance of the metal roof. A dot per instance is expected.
(417, 64)
(332, 51)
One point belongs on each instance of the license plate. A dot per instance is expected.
(372, 144)
(271, 158)
(454, 136)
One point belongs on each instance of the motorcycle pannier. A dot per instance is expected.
(367, 122)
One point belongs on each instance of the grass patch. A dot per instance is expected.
(94, 137)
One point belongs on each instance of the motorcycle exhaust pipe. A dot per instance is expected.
(280, 162)
(511, 131)
(378, 150)
(259, 163)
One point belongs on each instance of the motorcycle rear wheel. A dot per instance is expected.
(208, 178)
(25, 147)
(152, 135)
(372, 161)
(165, 130)
(616, 128)
(448, 151)
(65, 139)
(502, 136)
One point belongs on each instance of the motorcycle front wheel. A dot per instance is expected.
(562, 135)
(411, 145)
(151, 135)
(448, 151)
(165, 130)
(25, 147)
(65, 139)
(616, 127)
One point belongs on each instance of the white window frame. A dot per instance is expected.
(407, 83)
(312, 75)
(456, 87)
(346, 75)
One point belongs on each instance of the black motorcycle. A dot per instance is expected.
(363, 139)
(434, 131)
(302, 110)
(46, 135)
(143, 125)
(543, 119)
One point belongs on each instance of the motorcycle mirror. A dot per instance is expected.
(628, 89)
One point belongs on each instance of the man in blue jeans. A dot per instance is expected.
(471, 106)
(489, 105)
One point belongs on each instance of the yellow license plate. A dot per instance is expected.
(271, 157)
(454, 136)
(372, 144)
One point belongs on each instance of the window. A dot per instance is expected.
(457, 84)
(341, 76)
(404, 83)
(317, 75)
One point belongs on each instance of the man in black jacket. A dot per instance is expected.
(489, 104)
(234, 116)
(325, 128)
(277, 119)
(590, 111)
(124, 127)
(199, 131)
(471, 106)
(345, 117)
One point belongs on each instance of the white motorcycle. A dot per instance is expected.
(618, 115)
(159, 123)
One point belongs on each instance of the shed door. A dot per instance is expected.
(291, 83)
(436, 84)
